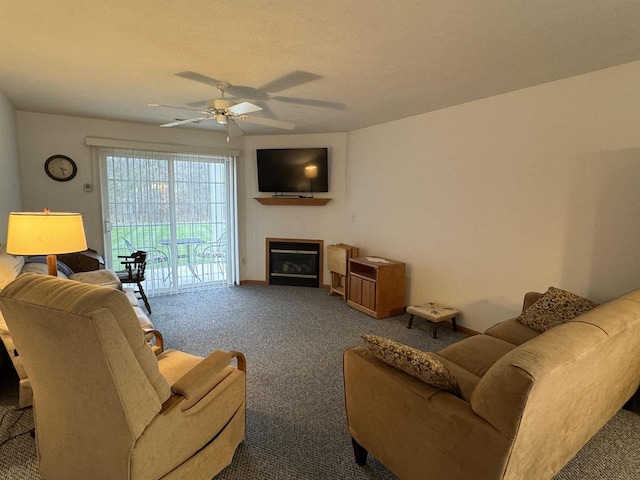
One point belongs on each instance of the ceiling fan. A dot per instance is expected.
(228, 113)
(266, 92)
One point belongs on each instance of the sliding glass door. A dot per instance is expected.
(179, 208)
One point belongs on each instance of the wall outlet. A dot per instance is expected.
(243, 260)
(88, 187)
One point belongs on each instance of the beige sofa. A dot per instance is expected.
(529, 401)
(13, 266)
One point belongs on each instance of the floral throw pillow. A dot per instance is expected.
(554, 307)
(422, 365)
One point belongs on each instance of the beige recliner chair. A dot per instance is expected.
(106, 407)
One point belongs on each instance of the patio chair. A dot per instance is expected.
(215, 252)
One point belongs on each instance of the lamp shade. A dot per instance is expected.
(311, 171)
(45, 233)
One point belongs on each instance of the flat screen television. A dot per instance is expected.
(286, 170)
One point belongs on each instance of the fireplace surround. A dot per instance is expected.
(296, 262)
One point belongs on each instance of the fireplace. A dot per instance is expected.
(294, 262)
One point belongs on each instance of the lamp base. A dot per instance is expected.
(52, 265)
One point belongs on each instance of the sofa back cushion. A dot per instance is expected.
(512, 331)
(39, 268)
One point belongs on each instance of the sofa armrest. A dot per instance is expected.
(529, 299)
(406, 424)
(205, 376)
(104, 278)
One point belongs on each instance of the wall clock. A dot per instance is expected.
(60, 168)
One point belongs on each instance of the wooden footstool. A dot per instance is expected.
(434, 313)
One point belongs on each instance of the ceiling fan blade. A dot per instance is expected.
(267, 122)
(266, 111)
(199, 103)
(239, 91)
(311, 102)
(244, 108)
(175, 106)
(182, 122)
(233, 129)
(289, 80)
(198, 77)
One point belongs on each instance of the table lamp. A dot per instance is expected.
(45, 233)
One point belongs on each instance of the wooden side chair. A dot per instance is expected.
(155, 256)
(135, 265)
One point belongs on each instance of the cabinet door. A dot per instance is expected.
(368, 295)
(355, 289)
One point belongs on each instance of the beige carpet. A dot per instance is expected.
(296, 429)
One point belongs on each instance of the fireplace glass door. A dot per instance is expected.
(294, 263)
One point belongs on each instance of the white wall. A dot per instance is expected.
(260, 222)
(484, 201)
(42, 135)
(10, 186)
(490, 199)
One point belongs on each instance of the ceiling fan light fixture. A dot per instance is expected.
(229, 112)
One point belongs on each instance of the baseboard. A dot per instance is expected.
(263, 282)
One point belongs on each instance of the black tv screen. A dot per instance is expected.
(293, 170)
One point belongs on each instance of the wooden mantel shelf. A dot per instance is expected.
(292, 201)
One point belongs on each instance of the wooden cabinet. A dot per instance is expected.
(376, 286)
(82, 261)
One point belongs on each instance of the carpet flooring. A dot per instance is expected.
(293, 339)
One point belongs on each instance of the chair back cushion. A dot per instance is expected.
(54, 321)
(96, 383)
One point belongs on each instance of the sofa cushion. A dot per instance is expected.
(476, 354)
(131, 296)
(554, 307)
(105, 278)
(422, 365)
(512, 331)
(10, 266)
(143, 319)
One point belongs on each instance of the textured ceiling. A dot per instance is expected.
(358, 62)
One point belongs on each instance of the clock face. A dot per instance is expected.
(60, 168)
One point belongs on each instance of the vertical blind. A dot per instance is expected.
(180, 208)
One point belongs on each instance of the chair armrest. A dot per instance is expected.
(205, 376)
(158, 348)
